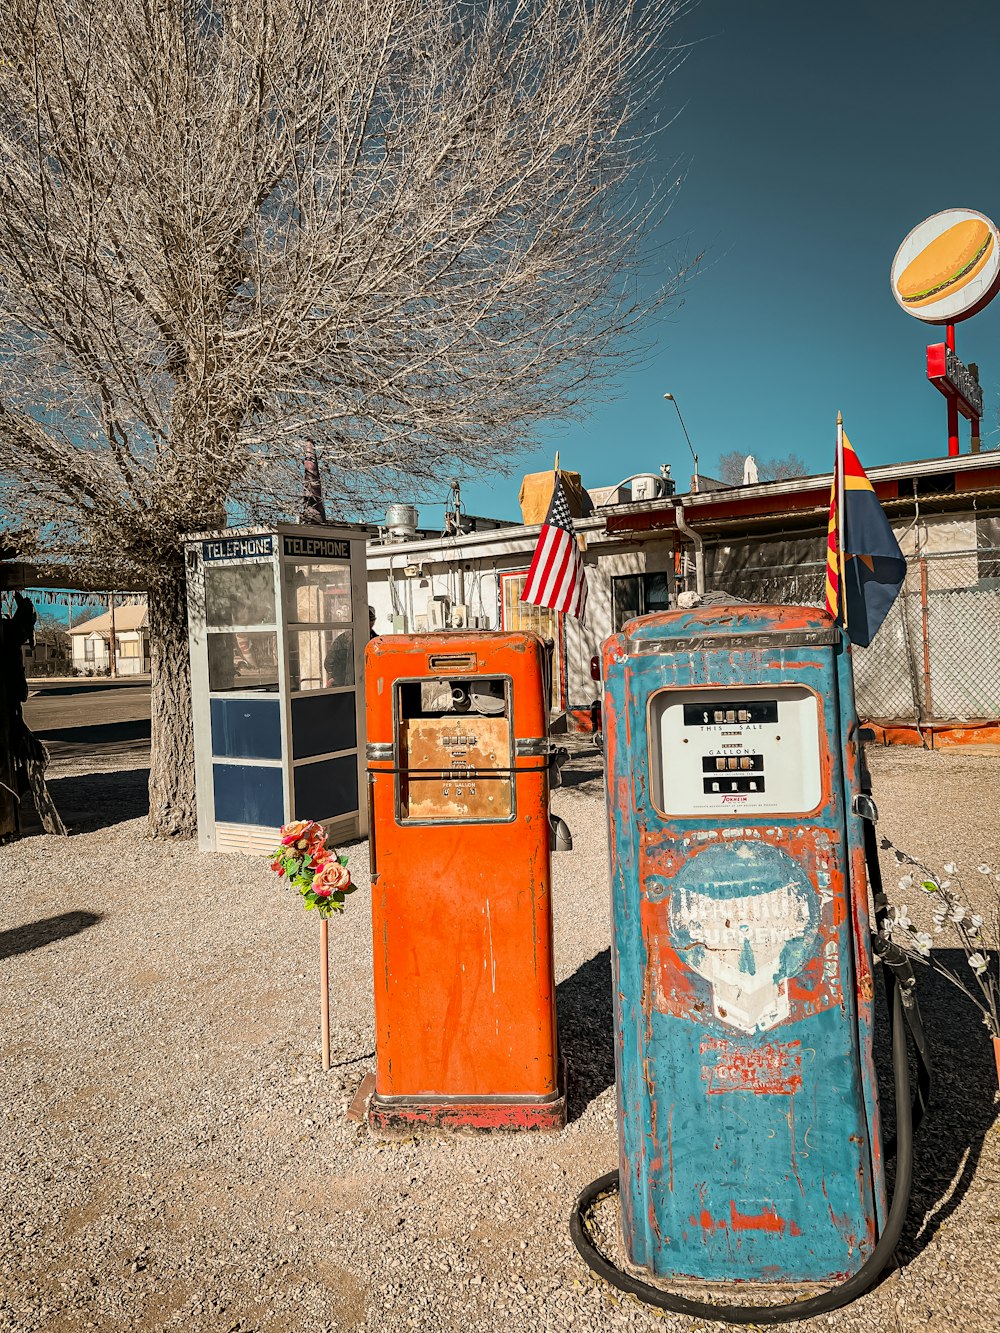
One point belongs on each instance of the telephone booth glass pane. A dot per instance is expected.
(318, 593)
(320, 658)
(320, 635)
(243, 660)
(239, 595)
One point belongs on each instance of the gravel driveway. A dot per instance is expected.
(178, 1160)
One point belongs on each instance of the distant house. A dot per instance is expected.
(50, 655)
(91, 643)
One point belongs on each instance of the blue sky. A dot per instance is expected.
(814, 138)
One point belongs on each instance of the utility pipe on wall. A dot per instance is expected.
(699, 546)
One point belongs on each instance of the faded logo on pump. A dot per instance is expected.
(744, 917)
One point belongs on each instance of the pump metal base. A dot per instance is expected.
(719, 1291)
(404, 1115)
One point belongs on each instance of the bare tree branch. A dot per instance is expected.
(404, 231)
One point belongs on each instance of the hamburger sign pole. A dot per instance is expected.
(946, 270)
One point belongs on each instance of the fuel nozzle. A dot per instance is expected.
(560, 838)
(558, 756)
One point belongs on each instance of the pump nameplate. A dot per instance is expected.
(774, 640)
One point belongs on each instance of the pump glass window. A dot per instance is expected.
(454, 747)
(243, 660)
(735, 751)
(239, 595)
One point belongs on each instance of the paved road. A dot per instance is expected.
(80, 719)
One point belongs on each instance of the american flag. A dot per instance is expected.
(556, 576)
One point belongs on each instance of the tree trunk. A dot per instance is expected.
(8, 789)
(172, 810)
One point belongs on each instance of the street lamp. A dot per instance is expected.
(671, 399)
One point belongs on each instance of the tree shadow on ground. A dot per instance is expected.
(584, 768)
(40, 690)
(591, 778)
(100, 800)
(963, 1103)
(586, 1032)
(97, 733)
(108, 739)
(38, 934)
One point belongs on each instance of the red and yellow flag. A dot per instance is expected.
(865, 568)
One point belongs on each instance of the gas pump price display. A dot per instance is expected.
(726, 752)
(455, 750)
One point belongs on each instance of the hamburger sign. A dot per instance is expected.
(948, 268)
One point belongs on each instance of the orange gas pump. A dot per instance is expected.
(458, 784)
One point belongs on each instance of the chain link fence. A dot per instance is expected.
(936, 657)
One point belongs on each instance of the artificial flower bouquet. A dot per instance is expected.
(319, 872)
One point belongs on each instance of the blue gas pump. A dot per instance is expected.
(751, 1147)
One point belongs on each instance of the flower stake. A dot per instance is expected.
(323, 880)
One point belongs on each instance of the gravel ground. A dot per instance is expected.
(178, 1160)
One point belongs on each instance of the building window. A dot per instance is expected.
(635, 595)
(128, 648)
(88, 649)
(540, 620)
(988, 550)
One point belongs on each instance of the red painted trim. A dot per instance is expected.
(936, 735)
(937, 374)
(579, 720)
(747, 507)
(975, 481)
(936, 361)
(404, 1118)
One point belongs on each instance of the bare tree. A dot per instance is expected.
(401, 232)
(781, 469)
(730, 468)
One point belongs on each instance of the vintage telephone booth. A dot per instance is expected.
(277, 627)
(750, 1143)
(458, 771)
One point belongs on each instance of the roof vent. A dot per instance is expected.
(401, 522)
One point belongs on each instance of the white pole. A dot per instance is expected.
(841, 590)
(324, 989)
(114, 654)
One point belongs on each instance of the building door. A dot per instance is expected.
(540, 620)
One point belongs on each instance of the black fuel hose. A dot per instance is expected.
(897, 966)
(834, 1299)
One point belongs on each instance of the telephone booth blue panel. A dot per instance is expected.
(277, 628)
(749, 1128)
